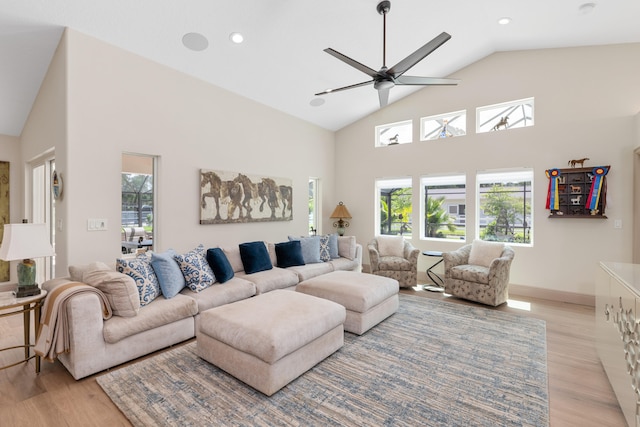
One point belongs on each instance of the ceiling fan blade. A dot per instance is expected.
(403, 66)
(383, 96)
(355, 64)
(425, 81)
(368, 82)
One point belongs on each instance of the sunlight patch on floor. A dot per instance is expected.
(520, 305)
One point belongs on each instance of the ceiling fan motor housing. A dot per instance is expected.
(383, 7)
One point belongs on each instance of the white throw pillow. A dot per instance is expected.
(390, 245)
(120, 289)
(347, 247)
(482, 253)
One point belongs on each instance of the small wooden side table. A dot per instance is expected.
(25, 306)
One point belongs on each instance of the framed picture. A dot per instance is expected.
(233, 197)
(56, 185)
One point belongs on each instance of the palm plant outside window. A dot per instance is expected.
(395, 206)
(444, 207)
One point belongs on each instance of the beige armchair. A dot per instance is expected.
(394, 257)
(479, 272)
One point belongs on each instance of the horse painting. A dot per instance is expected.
(215, 186)
(242, 197)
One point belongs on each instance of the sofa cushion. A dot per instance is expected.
(77, 271)
(483, 253)
(347, 247)
(390, 245)
(158, 313)
(344, 264)
(269, 280)
(141, 271)
(289, 254)
(309, 271)
(120, 289)
(219, 264)
(310, 248)
(233, 255)
(236, 289)
(255, 257)
(471, 273)
(195, 269)
(168, 272)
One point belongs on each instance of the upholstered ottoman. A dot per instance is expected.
(369, 299)
(271, 339)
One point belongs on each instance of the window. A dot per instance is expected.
(394, 133)
(504, 206)
(508, 115)
(443, 126)
(138, 211)
(395, 209)
(313, 206)
(443, 201)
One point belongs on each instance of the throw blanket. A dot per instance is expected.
(53, 334)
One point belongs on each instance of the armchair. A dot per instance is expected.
(394, 257)
(479, 272)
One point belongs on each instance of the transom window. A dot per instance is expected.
(394, 133)
(443, 126)
(508, 115)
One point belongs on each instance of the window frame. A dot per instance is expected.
(452, 179)
(391, 183)
(404, 137)
(508, 175)
(454, 115)
(507, 108)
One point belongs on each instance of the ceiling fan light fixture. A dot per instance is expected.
(505, 20)
(236, 37)
(384, 84)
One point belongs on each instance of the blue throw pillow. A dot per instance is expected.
(255, 257)
(195, 269)
(289, 254)
(333, 246)
(141, 271)
(220, 265)
(168, 272)
(310, 248)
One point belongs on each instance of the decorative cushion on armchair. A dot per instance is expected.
(479, 272)
(394, 257)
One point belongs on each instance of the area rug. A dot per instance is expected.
(433, 363)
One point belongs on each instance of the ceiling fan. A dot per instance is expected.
(386, 78)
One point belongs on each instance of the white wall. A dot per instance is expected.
(119, 102)
(585, 102)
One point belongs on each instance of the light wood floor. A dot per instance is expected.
(579, 392)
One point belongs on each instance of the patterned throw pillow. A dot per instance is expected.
(141, 271)
(195, 269)
(325, 253)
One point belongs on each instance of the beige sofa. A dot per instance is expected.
(97, 344)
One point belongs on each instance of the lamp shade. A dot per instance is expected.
(341, 211)
(24, 241)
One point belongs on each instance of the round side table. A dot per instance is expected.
(438, 282)
(25, 306)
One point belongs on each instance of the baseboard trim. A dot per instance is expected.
(552, 295)
(528, 291)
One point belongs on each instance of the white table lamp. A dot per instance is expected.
(25, 242)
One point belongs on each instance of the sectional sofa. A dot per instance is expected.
(156, 299)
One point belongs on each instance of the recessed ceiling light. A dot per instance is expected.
(195, 41)
(316, 102)
(504, 20)
(586, 8)
(236, 38)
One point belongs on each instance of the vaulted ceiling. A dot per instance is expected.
(281, 62)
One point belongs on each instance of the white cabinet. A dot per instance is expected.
(618, 332)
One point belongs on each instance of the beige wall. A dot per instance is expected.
(119, 102)
(586, 100)
(10, 152)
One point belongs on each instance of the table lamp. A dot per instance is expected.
(341, 212)
(25, 242)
